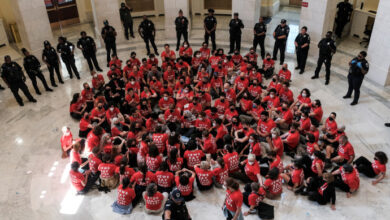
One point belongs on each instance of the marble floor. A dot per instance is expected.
(35, 184)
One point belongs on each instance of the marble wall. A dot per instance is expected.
(249, 13)
(172, 8)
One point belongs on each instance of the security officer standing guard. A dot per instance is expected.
(50, 57)
(66, 49)
(260, 31)
(181, 23)
(127, 20)
(147, 31)
(32, 66)
(327, 49)
(175, 208)
(281, 34)
(302, 45)
(14, 77)
(109, 37)
(87, 45)
(235, 33)
(343, 16)
(357, 70)
(210, 25)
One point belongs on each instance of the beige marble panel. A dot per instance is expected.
(249, 13)
(172, 8)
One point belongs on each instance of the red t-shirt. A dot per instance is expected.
(164, 178)
(128, 172)
(159, 140)
(83, 125)
(153, 163)
(187, 189)
(125, 196)
(314, 165)
(274, 186)
(138, 177)
(278, 163)
(293, 139)
(254, 199)
(66, 141)
(278, 145)
(286, 115)
(266, 126)
(231, 161)
(76, 178)
(107, 170)
(286, 95)
(351, 179)
(297, 176)
(209, 145)
(346, 151)
(378, 167)
(272, 102)
(252, 170)
(255, 149)
(175, 166)
(193, 157)
(233, 200)
(153, 202)
(166, 104)
(285, 74)
(221, 174)
(205, 177)
(94, 163)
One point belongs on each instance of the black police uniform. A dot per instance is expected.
(32, 66)
(210, 22)
(327, 48)
(280, 44)
(259, 40)
(65, 49)
(181, 29)
(127, 20)
(147, 31)
(343, 16)
(12, 73)
(302, 39)
(50, 56)
(355, 77)
(109, 39)
(88, 48)
(178, 211)
(235, 34)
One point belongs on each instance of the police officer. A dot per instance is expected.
(235, 33)
(280, 34)
(343, 16)
(14, 77)
(32, 66)
(210, 25)
(259, 32)
(181, 23)
(302, 45)
(66, 49)
(358, 68)
(175, 208)
(109, 37)
(87, 45)
(127, 20)
(147, 31)
(50, 57)
(327, 49)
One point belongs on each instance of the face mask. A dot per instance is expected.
(273, 136)
(200, 119)
(100, 107)
(129, 65)
(284, 69)
(112, 69)
(185, 45)
(242, 78)
(236, 53)
(214, 124)
(273, 80)
(220, 66)
(198, 56)
(272, 96)
(232, 109)
(181, 82)
(284, 109)
(132, 82)
(94, 76)
(154, 80)
(225, 90)
(112, 109)
(251, 141)
(165, 98)
(330, 118)
(222, 100)
(186, 90)
(268, 59)
(304, 95)
(181, 62)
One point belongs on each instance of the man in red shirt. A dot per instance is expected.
(268, 66)
(205, 51)
(291, 140)
(265, 125)
(204, 176)
(284, 74)
(285, 116)
(81, 182)
(241, 84)
(97, 81)
(347, 179)
(272, 100)
(285, 94)
(165, 102)
(345, 152)
(168, 53)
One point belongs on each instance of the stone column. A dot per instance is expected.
(379, 47)
(316, 17)
(33, 24)
(171, 8)
(249, 13)
(102, 10)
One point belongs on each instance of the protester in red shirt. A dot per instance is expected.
(345, 152)
(252, 170)
(220, 172)
(233, 200)
(193, 155)
(273, 183)
(294, 176)
(184, 180)
(154, 200)
(205, 51)
(253, 195)
(291, 140)
(272, 100)
(66, 141)
(284, 116)
(373, 169)
(107, 173)
(168, 53)
(285, 94)
(265, 125)
(153, 158)
(347, 179)
(140, 180)
(81, 182)
(126, 195)
(275, 142)
(204, 176)
(77, 107)
(231, 159)
(284, 74)
(268, 66)
(175, 162)
(165, 179)
(165, 102)
(97, 81)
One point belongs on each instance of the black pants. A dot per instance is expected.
(259, 41)
(70, 64)
(91, 58)
(178, 37)
(15, 86)
(354, 84)
(90, 182)
(33, 76)
(340, 27)
(201, 187)
(128, 26)
(138, 194)
(212, 35)
(315, 196)
(56, 67)
(301, 59)
(338, 182)
(235, 42)
(363, 165)
(110, 46)
(246, 193)
(328, 61)
(279, 45)
(151, 39)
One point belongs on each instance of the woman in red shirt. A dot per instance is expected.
(204, 176)
(107, 173)
(220, 172)
(140, 180)
(347, 179)
(77, 107)
(153, 158)
(294, 176)
(185, 52)
(154, 200)
(81, 182)
(165, 179)
(184, 180)
(123, 204)
(273, 184)
(376, 168)
(175, 162)
(233, 200)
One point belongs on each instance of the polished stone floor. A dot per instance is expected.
(35, 184)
